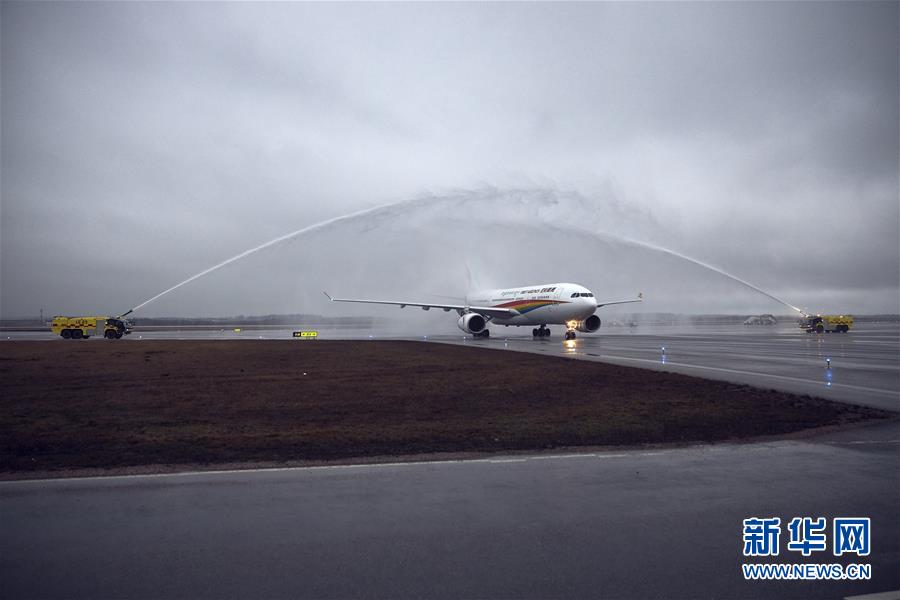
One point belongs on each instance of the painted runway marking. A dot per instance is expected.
(754, 373)
(768, 446)
(864, 442)
(559, 456)
(499, 460)
(312, 468)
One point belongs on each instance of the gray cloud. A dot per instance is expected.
(142, 143)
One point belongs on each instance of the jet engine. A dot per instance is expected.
(589, 325)
(472, 323)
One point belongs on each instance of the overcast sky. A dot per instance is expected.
(142, 143)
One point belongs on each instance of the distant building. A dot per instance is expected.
(761, 320)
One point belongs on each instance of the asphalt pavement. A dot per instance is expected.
(637, 524)
(862, 367)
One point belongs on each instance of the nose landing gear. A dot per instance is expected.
(570, 330)
(542, 331)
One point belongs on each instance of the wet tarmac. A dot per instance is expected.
(638, 524)
(862, 367)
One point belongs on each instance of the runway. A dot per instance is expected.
(639, 524)
(862, 367)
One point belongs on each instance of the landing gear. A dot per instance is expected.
(570, 329)
(542, 331)
(483, 334)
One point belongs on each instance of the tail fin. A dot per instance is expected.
(471, 282)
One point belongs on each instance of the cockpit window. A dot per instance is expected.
(575, 295)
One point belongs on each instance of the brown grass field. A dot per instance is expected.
(122, 404)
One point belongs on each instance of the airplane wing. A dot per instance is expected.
(460, 308)
(640, 298)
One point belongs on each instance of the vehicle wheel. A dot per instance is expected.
(109, 334)
(76, 334)
(118, 335)
(486, 333)
(820, 329)
(66, 334)
(534, 332)
(546, 333)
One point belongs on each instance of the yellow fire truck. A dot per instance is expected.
(826, 323)
(79, 328)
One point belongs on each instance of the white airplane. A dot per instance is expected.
(566, 304)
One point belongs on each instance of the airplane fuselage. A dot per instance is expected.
(566, 304)
(544, 304)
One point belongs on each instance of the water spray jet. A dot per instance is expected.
(715, 269)
(539, 209)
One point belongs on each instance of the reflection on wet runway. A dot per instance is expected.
(862, 366)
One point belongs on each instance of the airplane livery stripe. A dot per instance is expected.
(524, 306)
